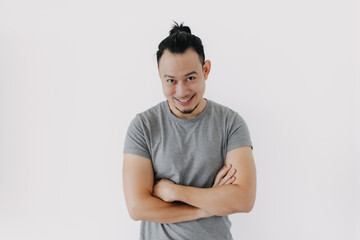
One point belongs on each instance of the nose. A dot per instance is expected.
(182, 90)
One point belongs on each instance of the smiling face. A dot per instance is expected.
(183, 81)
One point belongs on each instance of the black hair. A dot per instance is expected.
(179, 40)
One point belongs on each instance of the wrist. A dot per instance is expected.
(203, 214)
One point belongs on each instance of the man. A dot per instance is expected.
(187, 161)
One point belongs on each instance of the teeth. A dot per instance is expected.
(184, 100)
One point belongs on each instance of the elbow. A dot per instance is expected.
(135, 217)
(248, 208)
(235, 207)
(134, 214)
(138, 208)
(242, 208)
(246, 205)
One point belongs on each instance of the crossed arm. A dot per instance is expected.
(232, 191)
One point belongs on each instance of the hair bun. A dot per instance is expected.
(179, 28)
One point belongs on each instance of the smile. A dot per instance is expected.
(186, 101)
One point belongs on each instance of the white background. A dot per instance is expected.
(74, 73)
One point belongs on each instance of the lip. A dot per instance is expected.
(185, 103)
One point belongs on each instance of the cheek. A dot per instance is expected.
(167, 90)
(199, 88)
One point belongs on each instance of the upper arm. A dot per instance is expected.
(138, 180)
(138, 176)
(242, 160)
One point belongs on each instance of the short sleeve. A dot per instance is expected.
(238, 133)
(135, 140)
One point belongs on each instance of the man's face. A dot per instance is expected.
(183, 81)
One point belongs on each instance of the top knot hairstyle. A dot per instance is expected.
(179, 40)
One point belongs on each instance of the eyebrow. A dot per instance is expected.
(193, 72)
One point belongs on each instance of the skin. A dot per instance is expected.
(164, 188)
(183, 78)
(219, 200)
(138, 181)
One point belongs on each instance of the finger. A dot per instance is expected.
(229, 175)
(230, 181)
(221, 174)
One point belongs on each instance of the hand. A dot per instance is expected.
(226, 175)
(163, 189)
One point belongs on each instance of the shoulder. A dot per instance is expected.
(153, 112)
(219, 107)
(150, 115)
(227, 117)
(235, 127)
(223, 111)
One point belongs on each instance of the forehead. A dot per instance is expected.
(178, 63)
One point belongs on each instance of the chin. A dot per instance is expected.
(189, 109)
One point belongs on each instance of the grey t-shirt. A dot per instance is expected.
(188, 152)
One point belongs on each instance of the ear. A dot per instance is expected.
(206, 68)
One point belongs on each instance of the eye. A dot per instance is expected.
(170, 80)
(191, 78)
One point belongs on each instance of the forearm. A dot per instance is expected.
(220, 201)
(155, 210)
